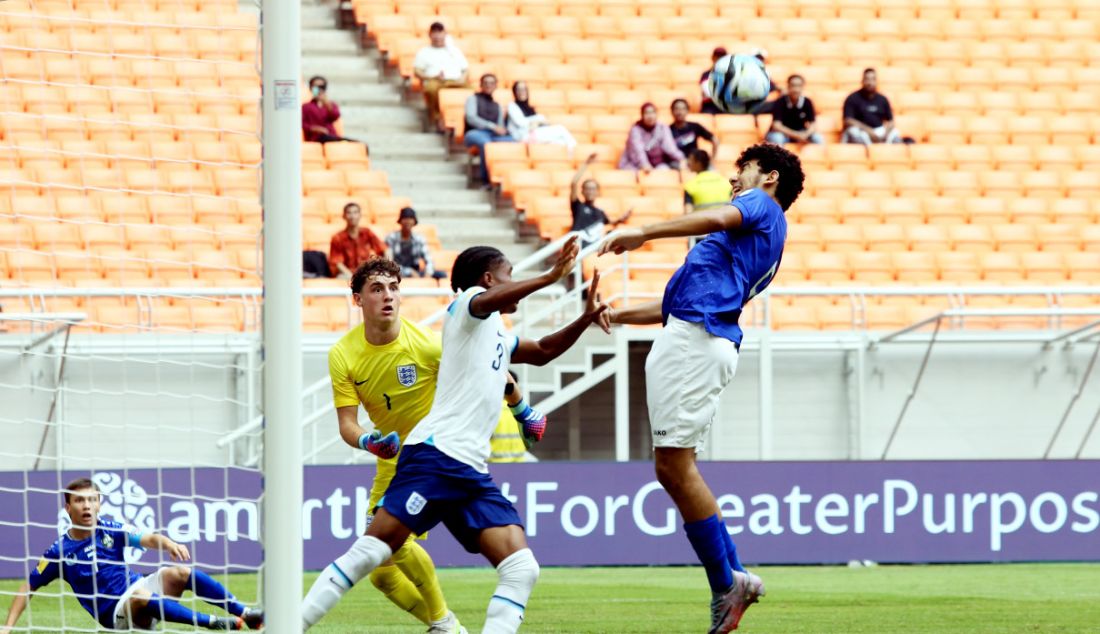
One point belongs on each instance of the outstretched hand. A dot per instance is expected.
(178, 552)
(596, 309)
(623, 241)
(567, 259)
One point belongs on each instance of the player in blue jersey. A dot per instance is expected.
(695, 355)
(90, 557)
(442, 474)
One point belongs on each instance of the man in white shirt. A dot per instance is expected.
(442, 474)
(440, 65)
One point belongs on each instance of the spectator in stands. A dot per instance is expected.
(793, 119)
(352, 245)
(707, 188)
(440, 65)
(704, 88)
(484, 121)
(526, 125)
(587, 217)
(867, 115)
(650, 144)
(410, 250)
(687, 133)
(320, 114)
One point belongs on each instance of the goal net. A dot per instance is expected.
(129, 284)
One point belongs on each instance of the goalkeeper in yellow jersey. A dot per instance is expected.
(389, 364)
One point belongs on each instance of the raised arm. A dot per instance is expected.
(156, 541)
(639, 315)
(552, 346)
(18, 606)
(575, 186)
(695, 224)
(507, 294)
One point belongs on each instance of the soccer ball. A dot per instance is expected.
(737, 81)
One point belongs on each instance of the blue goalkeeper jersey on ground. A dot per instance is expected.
(95, 568)
(728, 268)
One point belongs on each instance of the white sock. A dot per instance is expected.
(366, 554)
(518, 574)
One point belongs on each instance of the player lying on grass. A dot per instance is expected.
(90, 557)
(390, 365)
(442, 474)
(695, 355)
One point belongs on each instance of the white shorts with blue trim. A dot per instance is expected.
(685, 373)
(152, 584)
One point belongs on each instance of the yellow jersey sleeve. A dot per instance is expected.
(343, 386)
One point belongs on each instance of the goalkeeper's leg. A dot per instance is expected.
(396, 587)
(366, 554)
(418, 567)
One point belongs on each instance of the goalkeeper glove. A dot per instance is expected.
(385, 447)
(532, 422)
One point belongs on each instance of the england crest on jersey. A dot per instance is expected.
(406, 375)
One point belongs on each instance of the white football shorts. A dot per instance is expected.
(152, 584)
(685, 373)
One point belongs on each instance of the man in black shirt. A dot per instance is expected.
(867, 115)
(687, 133)
(793, 119)
(587, 217)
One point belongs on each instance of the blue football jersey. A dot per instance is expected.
(728, 268)
(95, 568)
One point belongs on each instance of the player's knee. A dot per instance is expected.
(519, 570)
(178, 574)
(668, 474)
(366, 554)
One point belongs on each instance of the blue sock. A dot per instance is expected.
(708, 540)
(208, 589)
(731, 552)
(164, 609)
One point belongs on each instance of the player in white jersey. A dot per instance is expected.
(442, 474)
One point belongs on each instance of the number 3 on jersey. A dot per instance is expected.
(763, 282)
(500, 356)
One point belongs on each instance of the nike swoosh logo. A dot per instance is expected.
(357, 383)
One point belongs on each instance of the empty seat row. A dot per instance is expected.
(166, 211)
(195, 74)
(918, 267)
(414, 20)
(77, 40)
(785, 10)
(229, 128)
(134, 16)
(977, 238)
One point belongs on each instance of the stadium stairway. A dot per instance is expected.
(418, 163)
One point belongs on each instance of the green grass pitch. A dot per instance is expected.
(884, 599)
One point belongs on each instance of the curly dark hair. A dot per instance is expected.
(373, 266)
(471, 265)
(774, 158)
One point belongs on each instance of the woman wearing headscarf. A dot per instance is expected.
(527, 126)
(650, 144)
